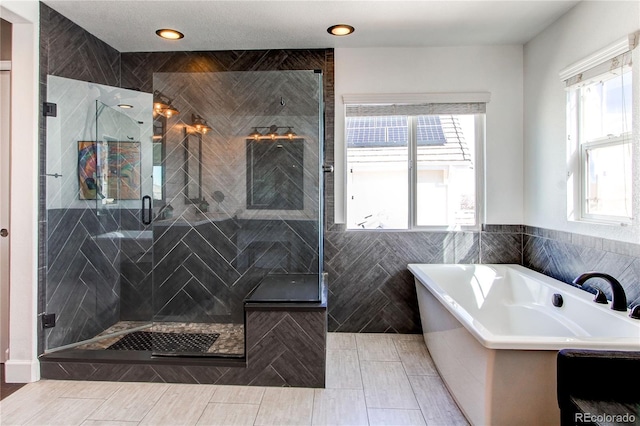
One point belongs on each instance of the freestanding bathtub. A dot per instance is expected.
(494, 334)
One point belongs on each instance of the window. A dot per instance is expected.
(407, 169)
(600, 136)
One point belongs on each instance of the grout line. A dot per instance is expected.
(417, 401)
(202, 414)
(313, 407)
(233, 403)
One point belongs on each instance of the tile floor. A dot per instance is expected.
(372, 379)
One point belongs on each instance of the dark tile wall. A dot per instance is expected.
(370, 288)
(77, 275)
(82, 275)
(564, 256)
(138, 67)
(203, 271)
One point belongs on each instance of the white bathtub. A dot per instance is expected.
(494, 334)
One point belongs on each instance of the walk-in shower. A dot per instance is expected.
(166, 210)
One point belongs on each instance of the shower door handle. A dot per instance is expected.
(145, 213)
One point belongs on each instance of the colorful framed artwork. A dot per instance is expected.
(109, 170)
(87, 170)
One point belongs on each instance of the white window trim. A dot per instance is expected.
(479, 149)
(622, 139)
(619, 47)
(416, 98)
(575, 178)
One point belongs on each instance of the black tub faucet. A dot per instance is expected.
(618, 299)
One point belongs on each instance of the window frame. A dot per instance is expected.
(622, 139)
(412, 176)
(575, 120)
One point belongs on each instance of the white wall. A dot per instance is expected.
(585, 29)
(494, 69)
(22, 365)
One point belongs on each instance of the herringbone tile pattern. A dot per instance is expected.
(82, 275)
(73, 52)
(203, 264)
(370, 288)
(564, 256)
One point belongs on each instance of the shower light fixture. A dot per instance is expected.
(199, 124)
(340, 30)
(272, 133)
(169, 34)
(125, 106)
(162, 105)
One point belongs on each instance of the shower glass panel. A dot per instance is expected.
(93, 187)
(241, 200)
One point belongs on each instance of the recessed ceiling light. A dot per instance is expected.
(169, 34)
(125, 106)
(340, 30)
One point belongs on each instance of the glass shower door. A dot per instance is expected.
(91, 176)
(123, 178)
(241, 192)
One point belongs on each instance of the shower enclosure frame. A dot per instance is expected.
(320, 180)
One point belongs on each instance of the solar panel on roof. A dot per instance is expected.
(430, 130)
(379, 131)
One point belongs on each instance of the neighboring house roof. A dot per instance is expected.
(383, 139)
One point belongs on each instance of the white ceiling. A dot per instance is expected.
(129, 26)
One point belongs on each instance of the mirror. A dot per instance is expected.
(192, 166)
(159, 125)
(275, 178)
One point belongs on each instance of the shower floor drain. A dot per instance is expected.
(165, 342)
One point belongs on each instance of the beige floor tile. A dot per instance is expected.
(412, 337)
(343, 370)
(415, 358)
(99, 390)
(435, 401)
(107, 423)
(131, 402)
(341, 341)
(18, 407)
(388, 416)
(238, 395)
(339, 407)
(229, 414)
(180, 405)
(386, 385)
(286, 406)
(376, 347)
(65, 411)
(38, 391)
